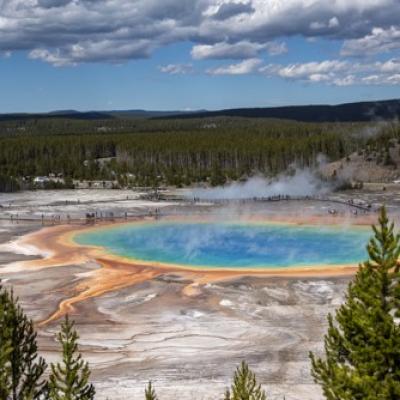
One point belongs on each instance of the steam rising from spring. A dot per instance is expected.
(303, 183)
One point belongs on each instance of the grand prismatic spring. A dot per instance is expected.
(231, 245)
(198, 288)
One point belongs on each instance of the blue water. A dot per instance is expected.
(217, 245)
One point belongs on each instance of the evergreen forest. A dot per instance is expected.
(140, 152)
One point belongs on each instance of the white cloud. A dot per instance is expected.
(317, 25)
(176, 69)
(54, 57)
(331, 24)
(378, 41)
(242, 68)
(390, 66)
(239, 50)
(229, 9)
(276, 48)
(330, 72)
(67, 32)
(338, 72)
(89, 51)
(347, 80)
(319, 70)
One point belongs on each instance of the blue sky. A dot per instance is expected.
(197, 54)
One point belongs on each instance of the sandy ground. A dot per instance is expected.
(186, 335)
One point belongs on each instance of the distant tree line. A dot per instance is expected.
(175, 152)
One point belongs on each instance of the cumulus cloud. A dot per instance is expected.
(378, 41)
(239, 50)
(341, 19)
(54, 57)
(176, 69)
(313, 71)
(322, 25)
(99, 51)
(231, 9)
(67, 32)
(242, 68)
(338, 72)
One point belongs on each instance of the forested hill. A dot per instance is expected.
(68, 114)
(351, 112)
(134, 151)
(88, 115)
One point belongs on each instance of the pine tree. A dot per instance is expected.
(5, 385)
(69, 380)
(5, 350)
(150, 393)
(245, 386)
(362, 345)
(21, 369)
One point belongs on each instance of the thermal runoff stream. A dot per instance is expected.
(231, 245)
